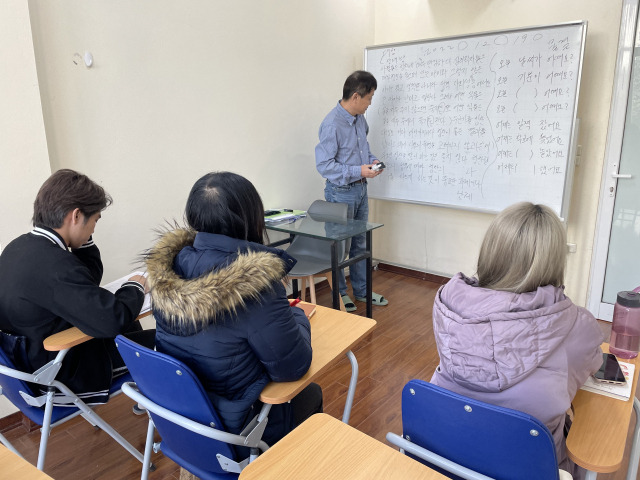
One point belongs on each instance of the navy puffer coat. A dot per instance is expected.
(221, 308)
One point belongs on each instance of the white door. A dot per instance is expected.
(616, 260)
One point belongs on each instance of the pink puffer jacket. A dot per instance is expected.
(530, 351)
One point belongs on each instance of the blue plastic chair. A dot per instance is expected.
(181, 411)
(466, 438)
(16, 384)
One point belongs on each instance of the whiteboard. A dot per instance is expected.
(478, 121)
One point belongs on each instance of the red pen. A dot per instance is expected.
(293, 303)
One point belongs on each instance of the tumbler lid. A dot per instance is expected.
(629, 299)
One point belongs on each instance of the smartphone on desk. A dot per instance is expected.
(610, 371)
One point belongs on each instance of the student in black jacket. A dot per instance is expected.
(49, 282)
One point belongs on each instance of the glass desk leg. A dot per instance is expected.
(369, 275)
(334, 276)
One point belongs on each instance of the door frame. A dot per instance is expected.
(611, 164)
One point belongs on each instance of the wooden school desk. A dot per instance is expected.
(324, 448)
(334, 233)
(72, 336)
(333, 333)
(15, 467)
(598, 434)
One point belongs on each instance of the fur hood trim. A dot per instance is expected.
(193, 304)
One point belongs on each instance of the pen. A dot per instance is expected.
(293, 303)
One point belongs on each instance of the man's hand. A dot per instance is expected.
(141, 280)
(366, 172)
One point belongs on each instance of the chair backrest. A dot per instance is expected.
(498, 442)
(328, 211)
(18, 379)
(13, 351)
(172, 385)
(336, 214)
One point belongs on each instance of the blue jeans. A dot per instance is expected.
(356, 197)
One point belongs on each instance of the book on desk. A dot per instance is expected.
(309, 309)
(283, 215)
(620, 392)
(116, 284)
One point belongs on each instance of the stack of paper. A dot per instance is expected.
(279, 217)
(621, 392)
(285, 216)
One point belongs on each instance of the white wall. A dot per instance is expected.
(182, 88)
(446, 241)
(24, 163)
(23, 150)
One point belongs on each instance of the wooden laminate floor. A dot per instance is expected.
(402, 347)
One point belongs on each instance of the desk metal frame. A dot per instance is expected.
(634, 455)
(598, 435)
(333, 333)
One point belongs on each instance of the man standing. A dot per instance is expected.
(49, 282)
(343, 158)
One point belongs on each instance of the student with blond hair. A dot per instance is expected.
(511, 337)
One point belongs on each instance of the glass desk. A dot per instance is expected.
(333, 232)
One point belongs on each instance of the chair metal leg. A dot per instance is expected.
(264, 413)
(352, 387)
(89, 419)
(407, 446)
(148, 446)
(97, 420)
(591, 475)
(8, 444)
(46, 429)
(634, 454)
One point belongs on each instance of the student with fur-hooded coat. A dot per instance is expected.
(221, 307)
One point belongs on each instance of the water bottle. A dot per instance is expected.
(625, 331)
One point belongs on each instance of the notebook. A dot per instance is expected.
(116, 284)
(621, 392)
(308, 308)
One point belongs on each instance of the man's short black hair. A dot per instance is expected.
(360, 82)
(64, 191)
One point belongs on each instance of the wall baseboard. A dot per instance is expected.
(387, 267)
(430, 277)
